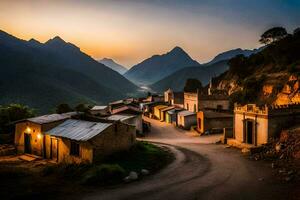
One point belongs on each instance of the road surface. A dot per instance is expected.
(202, 170)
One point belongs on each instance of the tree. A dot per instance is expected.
(63, 108)
(273, 35)
(12, 113)
(297, 31)
(82, 108)
(192, 85)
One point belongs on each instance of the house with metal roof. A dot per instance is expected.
(72, 140)
(171, 115)
(134, 120)
(186, 119)
(28, 132)
(157, 111)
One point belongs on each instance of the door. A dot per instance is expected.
(250, 132)
(54, 149)
(27, 143)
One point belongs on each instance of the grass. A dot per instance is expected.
(112, 169)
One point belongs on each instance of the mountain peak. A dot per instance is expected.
(177, 49)
(56, 40)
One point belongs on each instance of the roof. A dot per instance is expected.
(119, 117)
(214, 114)
(99, 107)
(213, 97)
(168, 108)
(78, 130)
(186, 113)
(174, 111)
(44, 119)
(160, 107)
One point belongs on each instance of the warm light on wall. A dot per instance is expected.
(39, 136)
(28, 130)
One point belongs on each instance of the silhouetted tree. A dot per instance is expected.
(12, 113)
(63, 108)
(272, 35)
(192, 85)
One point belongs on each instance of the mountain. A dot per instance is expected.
(232, 53)
(44, 75)
(113, 65)
(159, 66)
(176, 81)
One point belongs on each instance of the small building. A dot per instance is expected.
(29, 132)
(70, 140)
(155, 98)
(174, 98)
(195, 102)
(99, 110)
(164, 111)
(171, 115)
(210, 121)
(186, 119)
(254, 125)
(157, 111)
(134, 120)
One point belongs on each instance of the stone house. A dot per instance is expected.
(210, 121)
(63, 139)
(195, 102)
(186, 119)
(29, 132)
(254, 125)
(174, 98)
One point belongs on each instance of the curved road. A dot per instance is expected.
(202, 170)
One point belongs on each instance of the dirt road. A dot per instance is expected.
(202, 170)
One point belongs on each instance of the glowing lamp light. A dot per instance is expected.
(39, 136)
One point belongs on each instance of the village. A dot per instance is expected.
(201, 117)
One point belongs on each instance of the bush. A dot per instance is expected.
(103, 174)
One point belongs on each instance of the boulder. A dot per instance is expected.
(145, 172)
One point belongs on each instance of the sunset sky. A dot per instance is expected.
(130, 31)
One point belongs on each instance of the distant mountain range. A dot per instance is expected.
(176, 81)
(159, 66)
(232, 53)
(203, 73)
(113, 65)
(44, 75)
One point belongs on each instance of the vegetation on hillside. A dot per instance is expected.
(273, 65)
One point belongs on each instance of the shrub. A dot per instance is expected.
(103, 174)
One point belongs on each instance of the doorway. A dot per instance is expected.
(249, 132)
(27, 143)
(54, 149)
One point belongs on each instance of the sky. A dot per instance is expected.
(130, 31)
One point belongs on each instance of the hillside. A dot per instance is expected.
(270, 76)
(159, 66)
(113, 65)
(176, 81)
(44, 75)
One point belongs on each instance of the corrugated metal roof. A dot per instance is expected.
(119, 117)
(167, 108)
(51, 118)
(186, 113)
(78, 130)
(99, 107)
(173, 111)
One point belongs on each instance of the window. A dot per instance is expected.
(195, 108)
(187, 106)
(74, 149)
